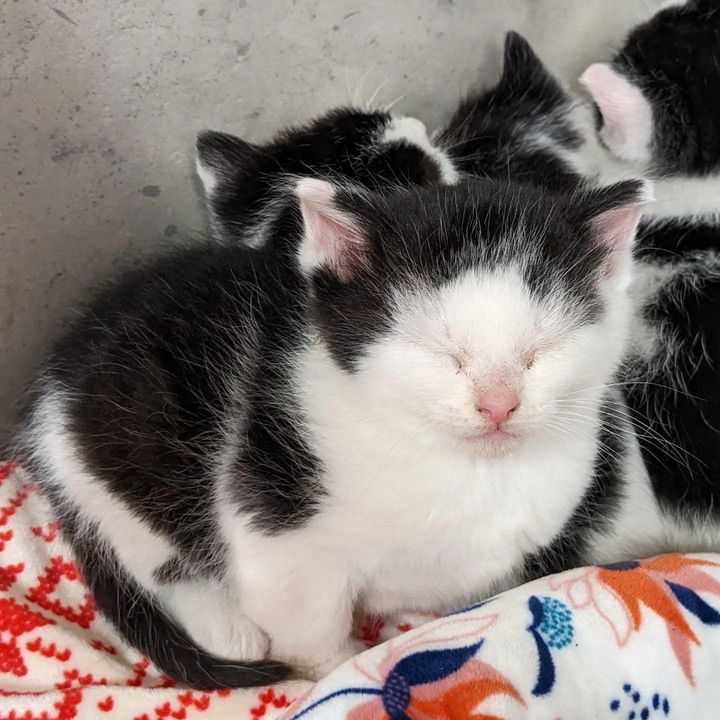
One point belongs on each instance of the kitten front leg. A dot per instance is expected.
(303, 601)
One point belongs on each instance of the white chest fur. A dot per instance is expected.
(426, 528)
(402, 526)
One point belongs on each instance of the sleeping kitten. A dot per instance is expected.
(658, 110)
(244, 446)
(371, 148)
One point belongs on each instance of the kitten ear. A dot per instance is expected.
(222, 159)
(522, 68)
(332, 237)
(614, 215)
(626, 114)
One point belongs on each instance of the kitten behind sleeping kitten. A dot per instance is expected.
(371, 148)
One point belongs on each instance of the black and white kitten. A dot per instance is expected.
(371, 148)
(659, 110)
(245, 445)
(528, 127)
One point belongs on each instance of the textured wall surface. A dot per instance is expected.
(100, 103)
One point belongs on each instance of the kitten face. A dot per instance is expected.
(482, 361)
(466, 314)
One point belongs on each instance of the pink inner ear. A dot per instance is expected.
(332, 237)
(627, 115)
(615, 229)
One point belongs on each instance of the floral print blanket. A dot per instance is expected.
(629, 641)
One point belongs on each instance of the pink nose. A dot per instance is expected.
(496, 404)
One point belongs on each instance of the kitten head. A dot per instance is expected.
(370, 148)
(657, 103)
(481, 313)
(521, 128)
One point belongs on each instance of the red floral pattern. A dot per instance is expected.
(59, 660)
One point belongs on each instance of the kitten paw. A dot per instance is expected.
(237, 638)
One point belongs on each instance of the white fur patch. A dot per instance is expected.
(139, 549)
(207, 177)
(686, 197)
(212, 617)
(627, 115)
(414, 132)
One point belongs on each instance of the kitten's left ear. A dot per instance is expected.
(626, 113)
(224, 160)
(613, 214)
(523, 69)
(332, 236)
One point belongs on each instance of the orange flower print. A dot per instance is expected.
(416, 681)
(668, 585)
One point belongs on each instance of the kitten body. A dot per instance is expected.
(657, 112)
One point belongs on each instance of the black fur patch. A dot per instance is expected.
(675, 399)
(675, 59)
(444, 231)
(490, 133)
(674, 238)
(150, 371)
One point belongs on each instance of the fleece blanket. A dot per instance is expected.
(630, 641)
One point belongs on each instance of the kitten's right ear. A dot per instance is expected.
(522, 68)
(332, 237)
(626, 114)
(613, 213)
(222, 159)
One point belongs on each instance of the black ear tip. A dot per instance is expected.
(218, 148)
(211, 140)
(517, 47)
(206, 144)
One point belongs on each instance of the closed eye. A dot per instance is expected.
(529, 357)
(460, 357)
(458, 361)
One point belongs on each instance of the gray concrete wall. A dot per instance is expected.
(100, 103)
